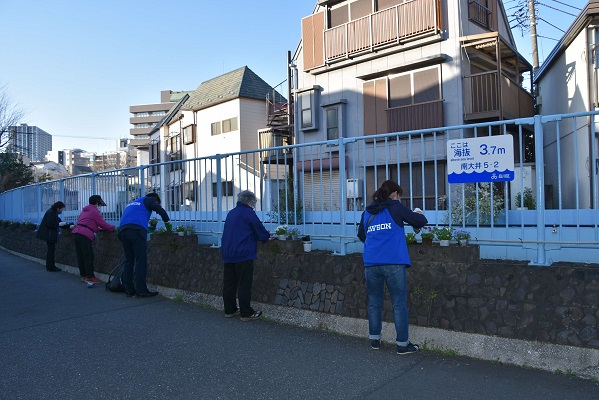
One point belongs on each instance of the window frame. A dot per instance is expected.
(339, 106)
(313, 94)
(188, 134)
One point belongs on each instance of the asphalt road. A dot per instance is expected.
(61, 340)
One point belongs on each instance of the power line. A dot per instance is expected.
(557, 9)
(549, 23)
(567, 5)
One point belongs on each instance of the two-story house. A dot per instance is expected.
(366, 67)
(223, 115)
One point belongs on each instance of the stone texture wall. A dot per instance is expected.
(449, 287)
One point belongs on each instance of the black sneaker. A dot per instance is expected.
(236, 313)
(407, 349)
(375, 344)
(252, 317)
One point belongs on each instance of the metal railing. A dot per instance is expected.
(322, 188)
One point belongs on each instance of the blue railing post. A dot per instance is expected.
(540, 182)
(142, 182)
(94, 185)
(219, 197)
(61, 191)
(342, 196)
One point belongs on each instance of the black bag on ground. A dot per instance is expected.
(114, 283)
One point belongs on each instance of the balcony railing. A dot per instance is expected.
(396, 24)
(482, 98)
(417, 116)
(478, 13)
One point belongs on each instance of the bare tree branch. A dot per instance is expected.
(10, 115)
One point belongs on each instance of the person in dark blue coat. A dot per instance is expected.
(133, 232)
(48, 232)
(386, 259)
(241, 234)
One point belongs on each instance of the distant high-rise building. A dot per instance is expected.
(30, 141)
(145, 116)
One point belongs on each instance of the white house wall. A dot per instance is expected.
(564, 88)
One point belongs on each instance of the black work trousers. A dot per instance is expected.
(237, 283)
(85, 255)
(135, 269)
(50, 255)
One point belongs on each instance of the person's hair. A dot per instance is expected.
(58, 205)
(246, 197)
(154, 196)
(388, 187)
(94, 199)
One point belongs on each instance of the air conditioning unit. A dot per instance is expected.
(355, 188)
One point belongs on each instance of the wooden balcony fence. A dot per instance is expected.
(399, 23)
(482, 98)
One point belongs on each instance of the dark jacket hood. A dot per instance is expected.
(375, 208)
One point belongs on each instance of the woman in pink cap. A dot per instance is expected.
(90, 221)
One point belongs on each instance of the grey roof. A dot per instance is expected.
(171, 113)
(242, 82)
(81, 169)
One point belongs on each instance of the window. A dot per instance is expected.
(215, 129)
(175, 145)
(334, 119)
(229, 125)
(155, 157)
(384, 4)
(142, 114)
(309, 100)
(158, 113)
(189, 134)
(226, 188)
(332, 123)
(415, 87)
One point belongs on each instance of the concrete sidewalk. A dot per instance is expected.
(61, 340)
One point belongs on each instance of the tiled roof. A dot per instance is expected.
(242, 82)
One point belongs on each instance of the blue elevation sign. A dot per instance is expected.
(482, 159)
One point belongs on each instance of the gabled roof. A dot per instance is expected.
(171, 113)
(242, 82)
(590, 11)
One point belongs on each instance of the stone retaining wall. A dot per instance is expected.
(449, 287)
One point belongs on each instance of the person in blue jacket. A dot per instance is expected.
(386, 259)
(241, 234)
(133, 231)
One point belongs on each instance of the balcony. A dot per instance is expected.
(414, 117)
(495, 92)
(393, 26)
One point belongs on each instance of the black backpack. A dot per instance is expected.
(114, 283)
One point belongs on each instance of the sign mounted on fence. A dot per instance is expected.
(482, 159)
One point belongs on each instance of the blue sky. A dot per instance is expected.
(75, 67)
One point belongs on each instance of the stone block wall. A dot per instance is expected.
(449, 287)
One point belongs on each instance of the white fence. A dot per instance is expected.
(321, 188)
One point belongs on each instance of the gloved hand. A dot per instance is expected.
(61, 224)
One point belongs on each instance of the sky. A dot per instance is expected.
(75, 67)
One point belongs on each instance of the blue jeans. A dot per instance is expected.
(395, 277)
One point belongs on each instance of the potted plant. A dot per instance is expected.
(462, 237)
(307, 243)
(281, 232)
(189, 229)
(529, 200)
(180, 230)
(152, 225)
(444, 235)
(427, 235)
(410, 238)
(168, 226)
(293, 233)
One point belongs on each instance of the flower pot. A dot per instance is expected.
(444, 243)
(427, 241)
(282, 237)
(307, 246)
(181, 233)
(463, 242)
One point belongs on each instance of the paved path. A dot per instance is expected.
(61, 340)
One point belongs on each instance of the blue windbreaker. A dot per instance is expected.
(383, 234)
(240, 235)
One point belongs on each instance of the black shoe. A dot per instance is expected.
(146, 294)
(53, 269)
(130, 293)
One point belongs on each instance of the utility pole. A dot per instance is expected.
(533, 35)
